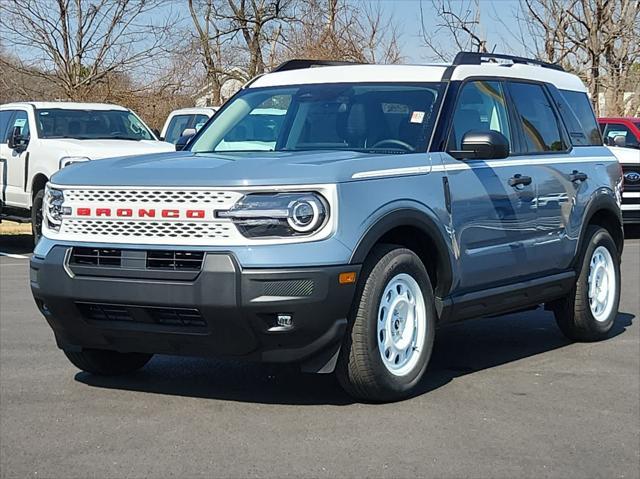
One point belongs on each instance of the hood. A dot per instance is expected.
(626, 155)
(233, 169)
(98, 149)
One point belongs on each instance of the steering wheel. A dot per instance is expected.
(394, 142)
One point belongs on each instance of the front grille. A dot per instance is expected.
(182, 317)
(175, 260)
(106, 229)
(96, 257)
(165, 260)
(149, 196)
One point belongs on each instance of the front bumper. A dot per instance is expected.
(221, 310)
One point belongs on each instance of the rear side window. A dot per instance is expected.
(537, 118)
(581, 106)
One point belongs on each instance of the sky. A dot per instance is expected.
(407, 15)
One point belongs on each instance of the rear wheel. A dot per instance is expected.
(392, 326)
(107, 363)
(36, 216)
(589, 311)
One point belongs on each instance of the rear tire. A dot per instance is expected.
(36, 216)
(107, 363)
(391, 329)
(589, 311)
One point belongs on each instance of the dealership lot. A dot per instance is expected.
(505, 397)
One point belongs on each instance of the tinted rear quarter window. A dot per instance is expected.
(537, 118)
(581, 106)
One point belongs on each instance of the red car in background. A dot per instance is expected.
(628, 127)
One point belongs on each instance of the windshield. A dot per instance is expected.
(91, 124)
(377, 118)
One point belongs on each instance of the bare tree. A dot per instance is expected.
(77, 44)
(341, 30)
(457, 28)
(598, 39)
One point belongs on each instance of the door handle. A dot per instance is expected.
(578, 176)
(518, 179)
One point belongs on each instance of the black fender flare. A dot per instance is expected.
(420, 220)
(603, 199)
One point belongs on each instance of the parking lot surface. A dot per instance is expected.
(504, 397)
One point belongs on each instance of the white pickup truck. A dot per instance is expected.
(39, 138)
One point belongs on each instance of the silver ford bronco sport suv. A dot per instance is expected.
(334, 217)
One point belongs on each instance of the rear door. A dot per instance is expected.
(546, 146)
(492, 201)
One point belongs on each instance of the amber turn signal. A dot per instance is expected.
(347, 278)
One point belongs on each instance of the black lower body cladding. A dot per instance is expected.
(222, 311)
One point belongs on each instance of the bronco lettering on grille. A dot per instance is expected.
(141, 213)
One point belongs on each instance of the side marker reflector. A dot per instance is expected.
(347, 278)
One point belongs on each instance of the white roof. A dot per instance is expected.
(416, 73)
(67, 105)
(209, 111)
(352, 74)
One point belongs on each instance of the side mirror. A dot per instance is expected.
(189, 132)
(181, 144)
(620, 140)
(156, 132)
(483, 145)
(16, 140)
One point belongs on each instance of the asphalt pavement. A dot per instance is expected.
(504, 397)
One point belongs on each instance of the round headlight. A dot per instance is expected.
(305, 214)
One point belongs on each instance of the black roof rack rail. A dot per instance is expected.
(476, 58)
(301, 64)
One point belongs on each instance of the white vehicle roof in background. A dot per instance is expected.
(465, 65)
(66, 105)
(208, 110)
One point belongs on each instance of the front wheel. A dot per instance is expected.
(107, 363)
(36, 216)
(391, 330)
(589, 311)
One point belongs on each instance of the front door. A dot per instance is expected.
(492, 201)
(15, 162)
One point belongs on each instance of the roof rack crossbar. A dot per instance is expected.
(301, 64)
(476, 58)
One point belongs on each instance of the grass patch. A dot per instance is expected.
(11, 228)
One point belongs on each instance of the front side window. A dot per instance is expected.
(91, 124)
(618, 129)
(5, 117)
(20, 120)
(376, 118)
(537, 118)
(177, 125)
(481, 106)
(581, 107)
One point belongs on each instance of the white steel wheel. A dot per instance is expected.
(601, 284)
(401, 324)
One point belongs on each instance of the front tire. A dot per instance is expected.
(107, 363)
(391, 329)
(36, 216)
(589, 311)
